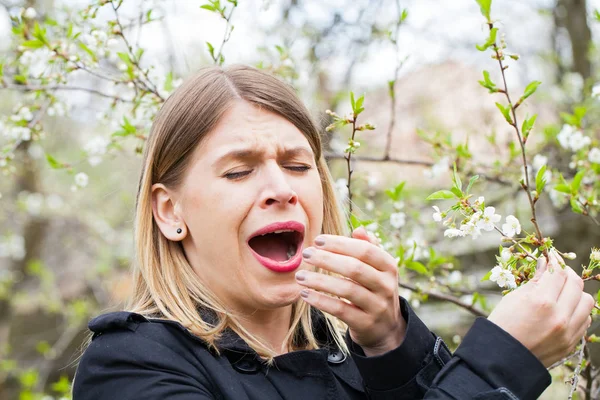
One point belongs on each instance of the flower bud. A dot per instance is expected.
(570, 256)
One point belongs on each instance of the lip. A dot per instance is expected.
(289, 265)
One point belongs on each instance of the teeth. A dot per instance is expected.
(279, 231)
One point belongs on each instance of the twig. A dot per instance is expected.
(575, 378)
(388, 140)
(515, 124)
(349, 165)
(148, 84)
(336, 156)
(444, 297)
(226, 35)
(564, 360)
(33, 88)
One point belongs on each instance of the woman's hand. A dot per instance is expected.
(368, 288)
(548, 314)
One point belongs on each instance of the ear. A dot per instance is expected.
(167, 213)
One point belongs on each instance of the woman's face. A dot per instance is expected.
(251, 199)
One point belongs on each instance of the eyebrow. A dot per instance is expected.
(252, 154)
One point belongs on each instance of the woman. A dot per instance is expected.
(246, 286)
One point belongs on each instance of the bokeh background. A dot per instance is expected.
(73, 123)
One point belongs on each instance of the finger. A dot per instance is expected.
(340, 287)
(553, 279)
(346, 266)
(540, 268)
(570, 295)
(346, 312)
(363, 234)
(365, 251)
(579, 321)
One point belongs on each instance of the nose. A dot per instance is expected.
(278, 190)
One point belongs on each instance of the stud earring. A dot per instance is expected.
(179, 230)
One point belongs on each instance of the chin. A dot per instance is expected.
(281, 295)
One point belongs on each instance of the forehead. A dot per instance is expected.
(245, 126)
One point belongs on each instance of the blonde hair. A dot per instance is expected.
(165, 285)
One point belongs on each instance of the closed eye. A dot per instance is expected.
(237, 175)
(299, 168)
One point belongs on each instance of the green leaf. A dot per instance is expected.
(597, 16)
(211, 49)
(540, 181)
(563, 188)
(487, 83)
(53, 163)
(530, 89)
(575, 206)
(471, 182)
(168, 86)
(208, 7)
(22, 79)
(505, 111)
(124, 57)
(456, 179)
(485, 7)
(441, 195)
(528, 125)
(577, 181)
(88, 50)
(490, 40)
(417, 267)
(63, 385)
(404, 15)
(458, 193)
(486, 277)
(33, 44)
(352, 102)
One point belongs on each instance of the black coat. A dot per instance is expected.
(132, 357)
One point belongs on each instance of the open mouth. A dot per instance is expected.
(278, 246)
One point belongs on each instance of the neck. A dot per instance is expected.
(271, 326)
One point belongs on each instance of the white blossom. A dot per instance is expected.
(453, 232)
(471, 228)
(37, 61)
(81, 179)
(512, 226)
(596, 90)
(438, 168)
(13, 247)
(503, 277)
(594, 155)
(595, 255)
(505, 255)
(95, 149)
(488, 219)
(398, 220)
(437, 215)
(454, 277)
(30, 13)
(18, 133)
(369, 205)
(34, 203)
(539, 161)
(572, 139)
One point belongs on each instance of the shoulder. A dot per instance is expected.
(131, 352)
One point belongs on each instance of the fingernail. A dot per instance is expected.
(320, 241)
(304, 293)
(300, 276)
(306, 253)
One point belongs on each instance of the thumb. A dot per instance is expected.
(362, 234)
(540, 268)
